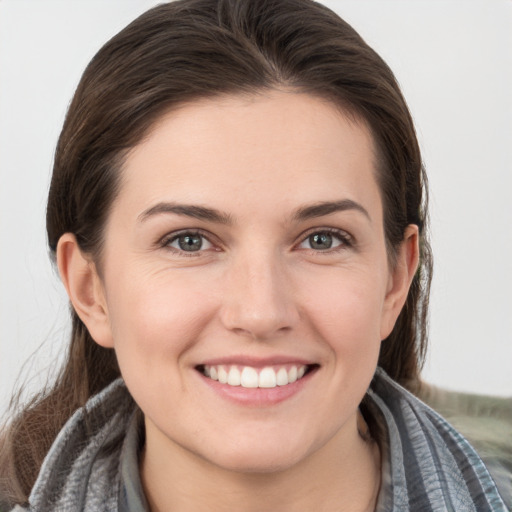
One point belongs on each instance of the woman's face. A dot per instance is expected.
(246, 244)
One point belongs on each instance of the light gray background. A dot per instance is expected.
(454, 62)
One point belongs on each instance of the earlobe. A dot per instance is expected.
(85, 289)
(400, 280)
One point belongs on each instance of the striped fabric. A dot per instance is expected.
(427, 466)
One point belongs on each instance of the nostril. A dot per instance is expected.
(257, 326)
(259, 309)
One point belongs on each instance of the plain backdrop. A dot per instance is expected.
(453, 60)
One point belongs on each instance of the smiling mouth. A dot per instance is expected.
(250, 377)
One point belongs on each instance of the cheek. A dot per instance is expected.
(157, 315)
(344, 311)
(155, 319)
(347, 303)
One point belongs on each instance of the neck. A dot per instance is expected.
(339, 477)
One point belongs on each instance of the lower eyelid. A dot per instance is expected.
(206, 244)
(167, 240)
(343, 238)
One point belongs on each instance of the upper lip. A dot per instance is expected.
(256, 362)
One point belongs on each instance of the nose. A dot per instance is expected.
(258, 299)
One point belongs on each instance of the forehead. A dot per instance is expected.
(284, 146)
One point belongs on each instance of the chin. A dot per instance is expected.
(259, 457)
(261, 463)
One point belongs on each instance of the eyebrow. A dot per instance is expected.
(213, 215)
(328, 207)
(194, 211)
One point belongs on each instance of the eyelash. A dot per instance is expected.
(346, 241)
(168, 239)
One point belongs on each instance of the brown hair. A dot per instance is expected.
(185, 50)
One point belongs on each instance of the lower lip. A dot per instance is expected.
(257, 397)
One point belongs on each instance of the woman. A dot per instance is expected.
(237, 212)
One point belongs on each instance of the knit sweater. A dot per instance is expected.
(427, 466)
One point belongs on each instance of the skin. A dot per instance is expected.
(257, 289)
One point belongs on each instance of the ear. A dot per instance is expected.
(400, 279)
(85, 289)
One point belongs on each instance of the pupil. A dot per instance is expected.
(190, 242)
(321, 241)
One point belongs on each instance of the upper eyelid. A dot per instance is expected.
(214, 240)
(334, 231)
(164, 240)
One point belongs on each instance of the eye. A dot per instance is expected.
(188, 242)
(325, 240)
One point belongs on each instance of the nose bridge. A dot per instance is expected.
(258, 300)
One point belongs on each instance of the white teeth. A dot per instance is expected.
(267, 378)
(222, 374)
(249, 377)
(234, 376)
(282, 377)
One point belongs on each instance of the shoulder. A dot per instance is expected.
(429, 461)
(81, 469)
(486, 421)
